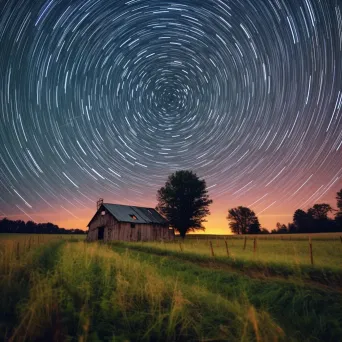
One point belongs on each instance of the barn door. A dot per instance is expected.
(100, 234)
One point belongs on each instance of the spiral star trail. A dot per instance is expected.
(106, 98)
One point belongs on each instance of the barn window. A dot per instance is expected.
(133, 217)
(103, 213)
(132, 225)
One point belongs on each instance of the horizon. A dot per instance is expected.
(210, 229)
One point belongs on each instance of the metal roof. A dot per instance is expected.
(127, 213)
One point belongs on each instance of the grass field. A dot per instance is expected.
(60, 288)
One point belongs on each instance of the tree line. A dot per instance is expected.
(184, 201)
(243, 220)
(30, 227)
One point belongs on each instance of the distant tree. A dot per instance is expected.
(30, 227)
(264, 231)
(320, 211)
(320, 221)
(184, 201)
(18, 226)
(338, 217)
(315, 220)
(5, 226)
(291, 228)
(302, 221)
(339, 201)
(243, 220)
(281, 228)
(338, 222)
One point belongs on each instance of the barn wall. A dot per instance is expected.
(142, 232)
(107, 221)
(114, 230)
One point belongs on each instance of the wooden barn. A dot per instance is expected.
(128, 223)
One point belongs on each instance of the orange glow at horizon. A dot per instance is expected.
(217, 223)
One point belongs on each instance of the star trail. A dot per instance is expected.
(106, 98)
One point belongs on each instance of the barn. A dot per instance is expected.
(128, 223)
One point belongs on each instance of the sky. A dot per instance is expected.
(107, 98)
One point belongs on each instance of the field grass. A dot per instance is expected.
(291, 237)
(56, 289)
(326, 253)
(40, 237)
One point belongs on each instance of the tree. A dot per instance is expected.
(338, 217)
(30, 227)
(184, 201)
(338, 221)
(264, 231)
(339, 201)
(254, 228)
(281, 228)
(320, 221)
(320, 211)
(302, 221)
(291, 227)
(243, 220)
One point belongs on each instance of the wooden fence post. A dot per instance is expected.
(18, 250)
(180, 246)
(244, 245)
(255, 245)
(341, 238)
(211, 248)
(227, 250)
(310, 247)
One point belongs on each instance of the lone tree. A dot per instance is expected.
(184, 201)
(243, 220)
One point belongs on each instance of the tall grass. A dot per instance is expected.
(58, 290)
(20, 261)
(326, 253)
(94, 293)
(307, 311)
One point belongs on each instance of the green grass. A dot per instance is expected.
(41, 237)
(326, 253)
(326, 275)
(68, 290)
(305, 311)
(291, 237)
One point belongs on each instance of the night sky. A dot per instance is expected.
(106, 98)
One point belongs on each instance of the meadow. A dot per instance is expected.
(205, 288)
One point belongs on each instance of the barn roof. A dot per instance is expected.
(132, 214)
